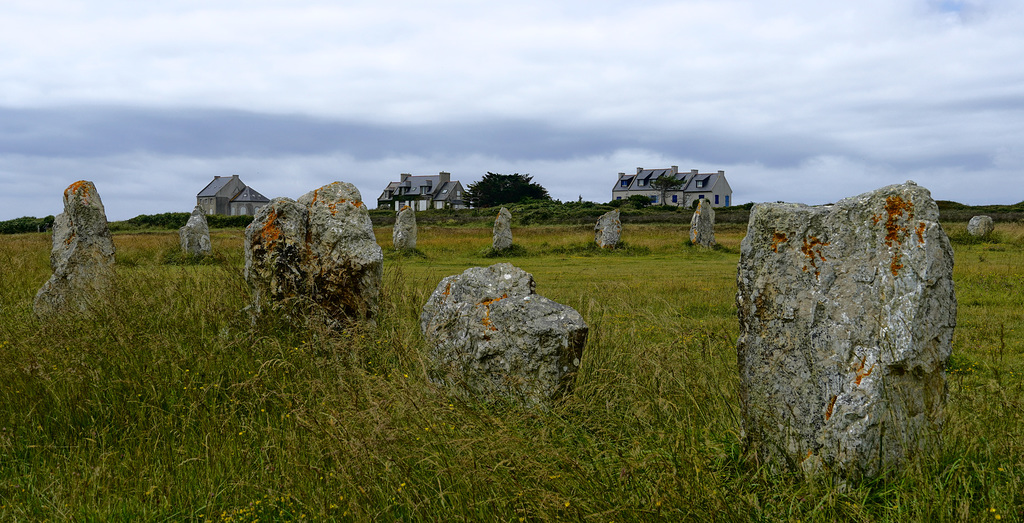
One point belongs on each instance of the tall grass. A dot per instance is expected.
(167, 403)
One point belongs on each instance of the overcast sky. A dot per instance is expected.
(804, 101)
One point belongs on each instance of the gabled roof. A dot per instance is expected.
(213, 187)
(250, 195)
(445, 191)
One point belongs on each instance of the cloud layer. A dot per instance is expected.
(796, 100)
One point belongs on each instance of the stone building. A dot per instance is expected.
(695, 186)
(228, 195)
(422, 193)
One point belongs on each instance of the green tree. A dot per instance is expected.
(497, 189)
(639, 201)
(665, 183)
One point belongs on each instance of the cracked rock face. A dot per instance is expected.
(195, 235)
(82, 257)
(846, 322)
(608, 230)
(980, 226)
(403, 235)
(319, 251)
(502, 230)
(702, 225)
(489, 334)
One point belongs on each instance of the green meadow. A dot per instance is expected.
(166, 403)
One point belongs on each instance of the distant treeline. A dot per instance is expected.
(531, 212)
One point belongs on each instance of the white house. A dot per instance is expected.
(694, 186)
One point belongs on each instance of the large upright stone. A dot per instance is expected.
(608, 230)
(82, 257)
(502, 230)
(317, 252)
(403, 235)
(846, 321)
(702, 224)
(980, 226)
(195, 235)
(490, 334)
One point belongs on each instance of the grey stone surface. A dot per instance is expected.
(502, 230)
(608, 230)
(489, 334)
(319, 252)
(980, 226)
(195, 235)
(82, 257)
(403, 235)
(846, 322)
(702, 224)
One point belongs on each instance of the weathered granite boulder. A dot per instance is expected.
(702, 224)
(502, 230)
(490, 334)
(195, 235)
(846, 321)
(82, 257)
(608, 230)
(317, 252)
(404, 233)
(980, 226)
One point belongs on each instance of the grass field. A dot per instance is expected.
(166, 404)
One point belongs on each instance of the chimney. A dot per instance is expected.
(675, 169)
(443, 177)
(621, 175)
(234, 176)
(639, 170)
(721, 172)
(405, 176)
(693, 171)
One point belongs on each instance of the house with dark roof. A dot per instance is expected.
(228, 195)
(423, 192)
(694, 186)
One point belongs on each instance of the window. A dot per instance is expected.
(726, 200)
(675, 198)
(716, 199)
(618, 197)
(654, 198)
(701, 196)
(700, 184)
(624, 183)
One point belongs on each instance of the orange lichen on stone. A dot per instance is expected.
(812, 250)
(895, 233)
(448, 289)
(778, 238)
(270, 232)
(81, 188)
(831, 405)
(920, 232)
(487, 311)
(861, 373)
(69, 239)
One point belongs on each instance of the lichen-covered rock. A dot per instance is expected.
(980, 226)
(846, 322)
(702, 224)
(403, 235)
(502, 230)
(195, 235)
(608, 230)
(489, 334)
(319, 252)
(82, 257)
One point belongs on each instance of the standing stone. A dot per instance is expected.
(846, 321)
(980, 226)
(608, 229)
(502, 230)
(317, 252)
(82, 257)
(490, 334)
(702, 224)
(195, 235)
(404, 233)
